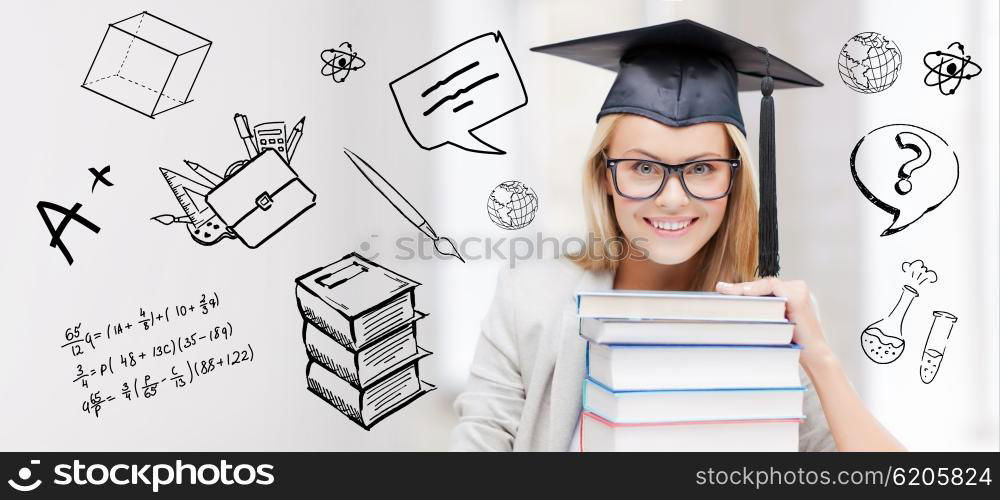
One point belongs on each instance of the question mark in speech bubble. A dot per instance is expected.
(893, 189)
(445, 100)
(913, 143)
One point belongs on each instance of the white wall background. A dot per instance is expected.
(265, 63)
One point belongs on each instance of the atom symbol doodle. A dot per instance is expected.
(950, 69)
(340, 63)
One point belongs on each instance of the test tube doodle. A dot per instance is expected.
(937, 339)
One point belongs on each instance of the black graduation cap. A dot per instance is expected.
(682, 73)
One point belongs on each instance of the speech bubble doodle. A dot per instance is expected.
(445, 100)
(905, 170)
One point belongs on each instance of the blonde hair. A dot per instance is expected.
(729, 255)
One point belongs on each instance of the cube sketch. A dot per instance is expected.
(147, 64)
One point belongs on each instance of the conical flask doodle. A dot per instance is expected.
(883, 340)
(937, 340)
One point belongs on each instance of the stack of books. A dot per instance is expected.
(360, 333)
(688, 371)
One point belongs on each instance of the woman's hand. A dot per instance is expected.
(799, 309)
(853, 427)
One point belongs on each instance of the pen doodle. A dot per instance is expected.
(253, 199)
(147, 64)
(449, 98)
(360, 333)
(442, 244)
(947, 70)
(338, 63)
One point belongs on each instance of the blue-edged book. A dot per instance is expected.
(630, 367)
(690, 405)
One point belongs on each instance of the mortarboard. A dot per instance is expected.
(682, 73)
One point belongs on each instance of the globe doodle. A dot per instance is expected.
(512, 205)
(869, 63)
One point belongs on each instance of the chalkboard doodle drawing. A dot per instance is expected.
(512, 205)
(905, 170)
(360, 334)
(947, 69)
(338, 63)
(442, 244)
(147, 64)
(934, 346)
(445, 100)
(253, 200)
(882, 341)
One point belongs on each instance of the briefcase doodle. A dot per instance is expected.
(253, 200)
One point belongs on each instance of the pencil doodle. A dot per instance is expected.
(147, 64)
(442, 244)
(946, 70)
(253, 199)
(882, 341)
(934, 346)
(906, 186)
(340, 62)
(360, 333)
(100, 177)
(512, 205)
(445, 100)
(869, 62)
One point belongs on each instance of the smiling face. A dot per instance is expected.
(674, 225)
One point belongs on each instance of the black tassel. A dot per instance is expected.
(767, 263)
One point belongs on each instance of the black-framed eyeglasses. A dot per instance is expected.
(639, 179)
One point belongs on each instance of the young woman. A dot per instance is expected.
(679, 192)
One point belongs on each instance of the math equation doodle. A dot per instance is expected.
(159, 347)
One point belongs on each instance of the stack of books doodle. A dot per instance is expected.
(360, 333)
(688, 371)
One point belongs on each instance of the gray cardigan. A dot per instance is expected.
(525, 384)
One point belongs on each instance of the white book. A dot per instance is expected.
(363, 368)
(692, 404)
(599, 434)
(658, 367)
(367, 406)
(669, 331)
(678, 305)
